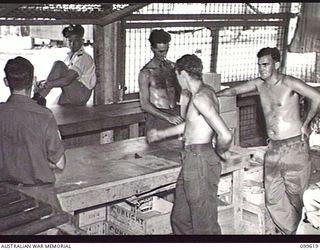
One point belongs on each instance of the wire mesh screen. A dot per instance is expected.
(248, 122)
(238, 48)
(302, 66)
(184, 40)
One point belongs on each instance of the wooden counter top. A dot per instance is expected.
(99, 174)
(79, 120)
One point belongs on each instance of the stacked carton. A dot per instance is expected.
(149, 216)
(255, 217)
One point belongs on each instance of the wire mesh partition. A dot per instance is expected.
(234, 53)
(248, 122)
(238, 48)
(184, 40)
(232, 48)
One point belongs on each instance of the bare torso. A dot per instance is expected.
(162, 85)
(197, 130)
(281, 109)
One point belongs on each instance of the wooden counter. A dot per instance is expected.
(105, 173)
(80, 120)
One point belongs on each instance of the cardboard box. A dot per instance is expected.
(91, 216)
(225, 189)
(254, 173)
(154, 220)
(112, 229)
(256, 220)
(226, 219)
(98, 228)
(227, 103)
(212, 79)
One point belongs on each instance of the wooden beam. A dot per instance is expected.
(145, 17)
(203, 24)
(48, 21)
(6, 8)
(117, 15)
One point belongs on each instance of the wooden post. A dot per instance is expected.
(214, 49)
(105, 49)
(284, 37)
(317, 68)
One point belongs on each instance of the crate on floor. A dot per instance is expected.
(226, 219)
(91, 215)
(225, 189)
(98, 228)
(113, 229)
(256, 220)
(151, 217)
(254, 172)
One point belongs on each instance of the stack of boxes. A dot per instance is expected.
(255, 217)
(92, 220)
(149, 216)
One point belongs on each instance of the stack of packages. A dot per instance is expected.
(150, 215)
(255, 217)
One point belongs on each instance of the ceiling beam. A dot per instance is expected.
(119, 14)
(146, 17)
(6, 8)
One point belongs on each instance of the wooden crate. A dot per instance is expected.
(227, 104)
(113, 229)
(91, 215)
(256, 220)
(225, 189)
(98, 228)
(154, 221)
(226, 219)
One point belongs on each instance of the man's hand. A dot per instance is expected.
(175, 119)
(153, 135)
(305, 132)
(225, 156)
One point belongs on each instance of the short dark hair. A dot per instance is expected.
(19, 73)
(273, 52)
(191, 64)
(159, 36)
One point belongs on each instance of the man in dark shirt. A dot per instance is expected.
(30, 143)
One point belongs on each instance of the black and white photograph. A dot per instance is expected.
(160, 122)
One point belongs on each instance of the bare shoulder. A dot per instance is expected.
(144, 72)
(291, 80)
(256, 81)
(205, 95)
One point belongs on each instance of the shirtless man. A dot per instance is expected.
(159, 88)
(196, 201)
(75, 75)
(287, 163)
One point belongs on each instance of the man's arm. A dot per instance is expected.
(147, 106)
(207, 108)
(157, 135)
(313, 96)
(239, 89)
(184, 101)
(54, 146)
